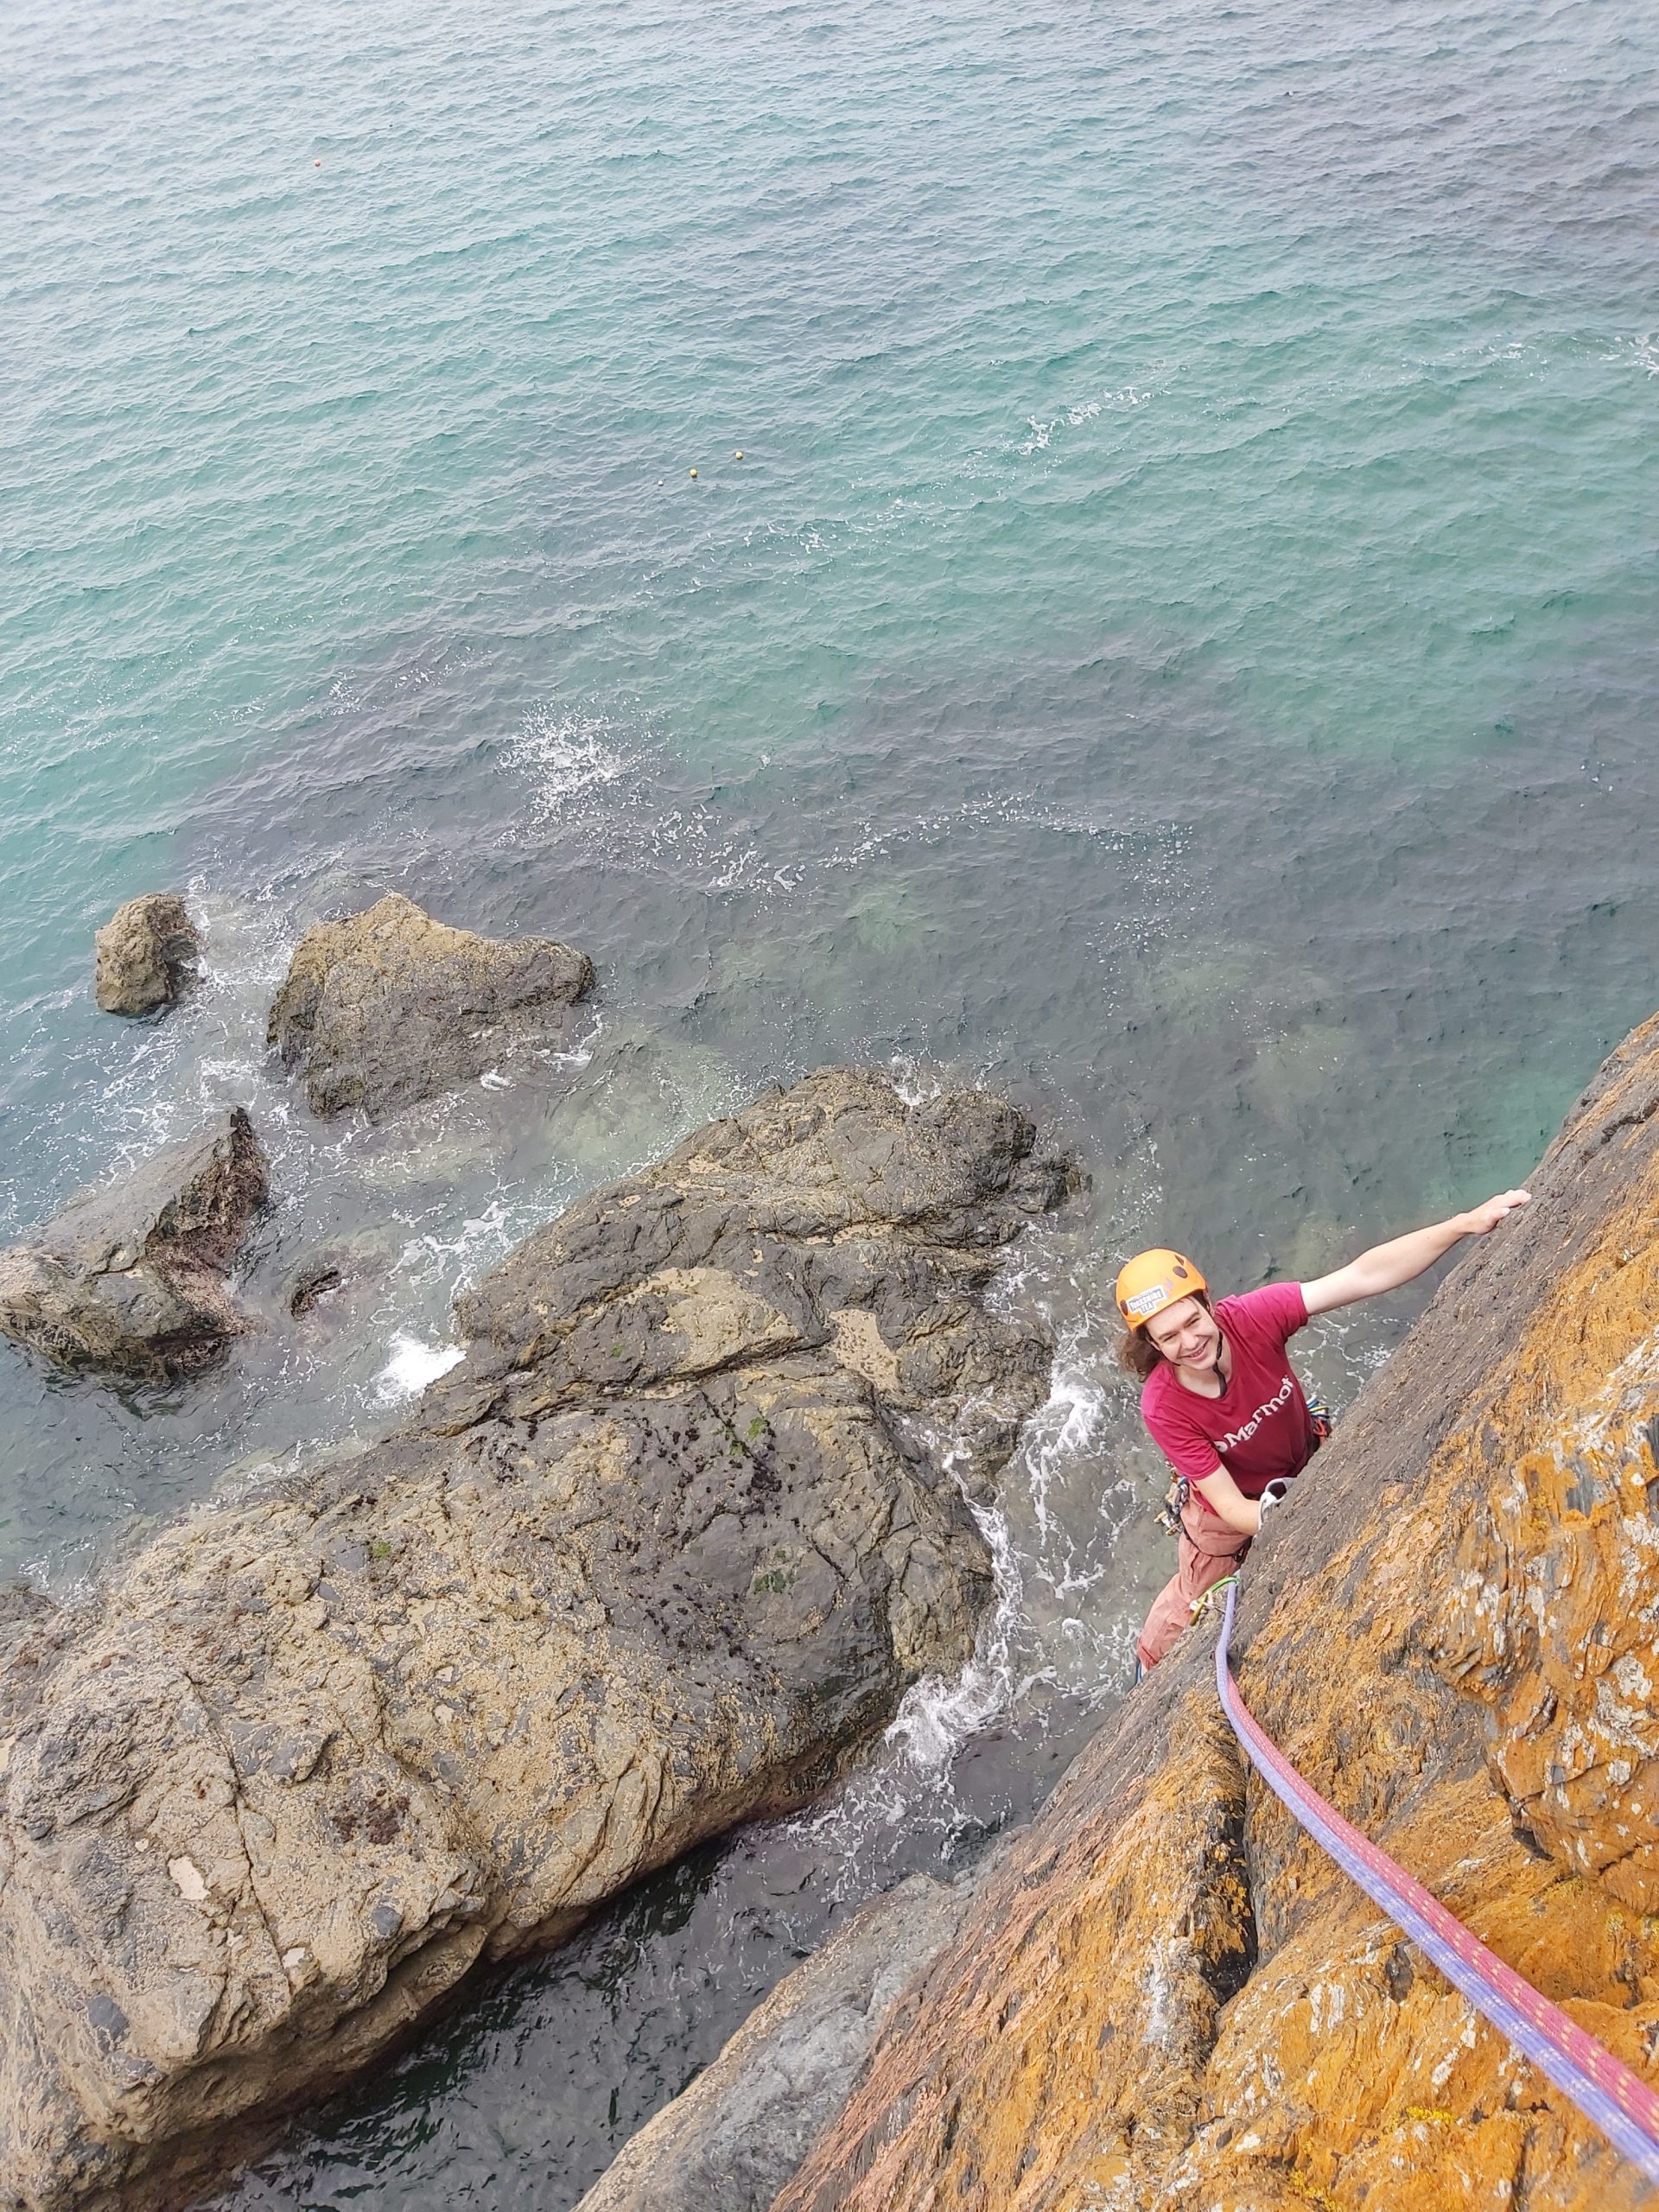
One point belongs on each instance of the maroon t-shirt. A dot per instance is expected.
(1259, 1428)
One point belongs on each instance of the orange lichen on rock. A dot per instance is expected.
(1088, 2052)
(1168, 1999)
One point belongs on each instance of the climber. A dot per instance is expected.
(1221, 1402)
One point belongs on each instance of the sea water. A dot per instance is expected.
(1179, 644)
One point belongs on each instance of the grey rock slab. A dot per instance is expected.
(133, 1276)
(389, 1006)
(655, 1558)
(145, 955)
(731, 2141)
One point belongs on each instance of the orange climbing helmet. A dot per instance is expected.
(1151, 1280)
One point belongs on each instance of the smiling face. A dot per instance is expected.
(1186, 1333)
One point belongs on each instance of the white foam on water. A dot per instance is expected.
(607, 782)
(461, 1258)
(739, 866)
(915, 1084)
(209, 1053)
(564, 757)
(1085, 411)
(1040, 1635)
(1069, 1429)
(412, 1366)
(908, 1785)
(910, 1782)
(936, 1715)
(1641, 349)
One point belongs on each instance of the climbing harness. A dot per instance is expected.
(1602, 2087)
(1175, 1504)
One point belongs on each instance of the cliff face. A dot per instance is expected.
(1167, 1997)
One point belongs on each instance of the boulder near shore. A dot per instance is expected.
(388, 1007)
(145, 954)
(133, 1276)
(654, 1558)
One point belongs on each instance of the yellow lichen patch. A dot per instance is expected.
(720, 1320)
(859, 1345)
(1311, 2193)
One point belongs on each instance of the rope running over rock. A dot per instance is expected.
(1602, 2087)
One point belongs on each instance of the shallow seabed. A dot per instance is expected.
(1179, 644)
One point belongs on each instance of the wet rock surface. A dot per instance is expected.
(332, 1276)
(730, 2142)
(1168, 1997)
(388, 1007)
(653, 1559)
(146, 955)
(133, 1277)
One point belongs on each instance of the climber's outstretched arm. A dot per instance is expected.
(1385, 1267)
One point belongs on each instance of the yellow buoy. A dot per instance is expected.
(738, 455)
(692, 472)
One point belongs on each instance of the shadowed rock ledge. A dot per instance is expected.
(651, 1559)
(730, 2141)
(1166, 1998)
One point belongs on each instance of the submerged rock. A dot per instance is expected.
(336, 1272)
(133, 1276)
(730, 2142)
(652, 1559)
(315, 1280)
(146, 954)
(388, 1007)
(1168, 1997)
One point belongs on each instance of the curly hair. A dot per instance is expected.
(1137, 1352)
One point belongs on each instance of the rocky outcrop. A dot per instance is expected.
(133, 1276)
(730, 2142)
(1167, 1997)
(146, 954)
(652, 1559)
(388, 1007)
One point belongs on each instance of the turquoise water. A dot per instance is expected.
(1180, 642)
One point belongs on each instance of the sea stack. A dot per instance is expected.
(388, 1007)
(146, 955)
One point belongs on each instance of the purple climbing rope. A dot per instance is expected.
(1602, 2087)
